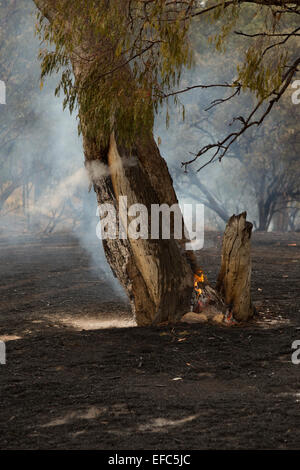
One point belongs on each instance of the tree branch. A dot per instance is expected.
(221, 148)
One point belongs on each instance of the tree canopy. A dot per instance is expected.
(144, 45)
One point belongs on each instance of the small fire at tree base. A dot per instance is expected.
(206, 304)
(230, 302)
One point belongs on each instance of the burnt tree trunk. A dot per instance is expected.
(263, 216)
(234, 280)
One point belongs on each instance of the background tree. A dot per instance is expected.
(261, 171)
(262, 166)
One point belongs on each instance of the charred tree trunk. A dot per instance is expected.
(263, 216)
(234, 280)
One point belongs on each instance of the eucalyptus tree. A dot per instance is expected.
(119, 62)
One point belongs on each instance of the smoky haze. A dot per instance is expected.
(44, 157)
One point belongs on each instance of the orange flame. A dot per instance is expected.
(198, 279)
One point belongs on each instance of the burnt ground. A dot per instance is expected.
(71, 383)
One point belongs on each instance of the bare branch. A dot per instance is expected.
(189, 88)
(221, 148)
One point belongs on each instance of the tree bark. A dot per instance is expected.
(262, 217)
(234, 280)
(156, 274)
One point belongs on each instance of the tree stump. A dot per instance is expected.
(234, 280)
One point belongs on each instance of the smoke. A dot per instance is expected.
(65, 189)
(202, 126)
(45, 159)
(48, 158)
(98, 170)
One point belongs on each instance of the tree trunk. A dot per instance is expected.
(281, 216)
(234, 280)
(156, 274)
(262, 217)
